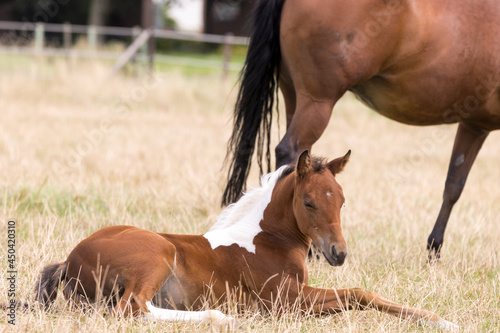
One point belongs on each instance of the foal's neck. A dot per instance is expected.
(279, 219)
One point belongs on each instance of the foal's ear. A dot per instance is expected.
(337, 165)
(303, 163)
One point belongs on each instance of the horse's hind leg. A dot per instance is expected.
(306, 126)
(468, 142)
(287, 89)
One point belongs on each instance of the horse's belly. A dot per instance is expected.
(435, 95)
(402, 110)
(423, 102)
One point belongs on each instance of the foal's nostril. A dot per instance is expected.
(334, 252)
(339, 257)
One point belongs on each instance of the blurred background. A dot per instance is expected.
(119, 112)
(199, 35)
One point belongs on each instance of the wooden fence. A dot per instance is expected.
(32, 37)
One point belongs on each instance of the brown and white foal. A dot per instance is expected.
(257, 247)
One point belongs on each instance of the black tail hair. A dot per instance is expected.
(45, 289)
(254, 107)
(48, 282)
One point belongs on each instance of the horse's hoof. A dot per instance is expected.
(433, 257)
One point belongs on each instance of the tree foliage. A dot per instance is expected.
(119, 12)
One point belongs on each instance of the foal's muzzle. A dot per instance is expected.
(335, 257)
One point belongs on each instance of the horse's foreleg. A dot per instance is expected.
(305, 127)
(330, 301)
(468, 142)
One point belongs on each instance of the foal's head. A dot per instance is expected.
(317, 202)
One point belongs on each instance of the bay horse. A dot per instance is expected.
(419, 62)
(257, 248)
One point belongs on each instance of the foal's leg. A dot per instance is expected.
(144, 276)
(145, 283)
(207, 316)
(468, 142)
(324, 301)
(137, 300)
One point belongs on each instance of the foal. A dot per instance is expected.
(257, 247)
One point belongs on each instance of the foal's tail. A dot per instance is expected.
(48, 283)
(45, 289)
(254, 107)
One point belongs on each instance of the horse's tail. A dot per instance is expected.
(254, 107)
(48, 283)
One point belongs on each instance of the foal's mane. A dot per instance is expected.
(318, 164)
(253, 203)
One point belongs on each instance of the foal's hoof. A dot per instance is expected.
(440, 325)
(220, 319)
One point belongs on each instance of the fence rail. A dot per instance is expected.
(122, 31)
(27, 31)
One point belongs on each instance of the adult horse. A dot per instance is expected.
(419, 62)
(256, 249)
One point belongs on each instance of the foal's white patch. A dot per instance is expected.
(239, 223)
(328, 194)
(173, 315)
(189, 316)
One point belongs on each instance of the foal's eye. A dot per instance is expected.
(308, 205)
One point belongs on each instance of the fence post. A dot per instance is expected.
(39, 37)
(136, 31)
(67, 35)
(147, 21)
(131, 50)
(228, 47)
(92, 37)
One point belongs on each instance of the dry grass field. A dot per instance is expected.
(79, 152)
